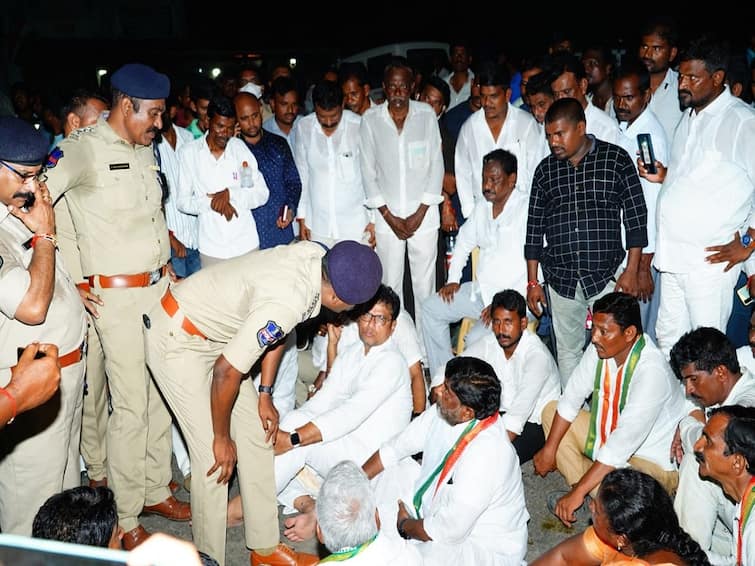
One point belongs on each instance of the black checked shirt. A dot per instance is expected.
(579, 211)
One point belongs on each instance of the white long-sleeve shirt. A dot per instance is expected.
(519, 135)
(185, 227)
(332, 199)
(475, 517)
(646, 123)
(529, 379)
(501, 264)
(665, 103)
(654, 405)
(201, 173)
(367, 397)
(402, 170)
(707, 194)
(601, 125)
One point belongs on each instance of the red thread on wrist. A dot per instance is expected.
(12, 399)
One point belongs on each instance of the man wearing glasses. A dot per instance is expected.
(39, 303)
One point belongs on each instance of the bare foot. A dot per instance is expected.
(300, 527)
(235, 513)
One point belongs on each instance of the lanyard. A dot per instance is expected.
(348, 552)
(469, 433)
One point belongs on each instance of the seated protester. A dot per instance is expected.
(458, 511)
(706, 363)
(340, 337)
(348, 523)
(633, 522)
(365, 401)
(497, 225)
(524, 365)
(726, 452)
(81, 515)
(636, 404)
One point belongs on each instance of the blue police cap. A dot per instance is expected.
(20, 143)
(141, 81)
(355, 271)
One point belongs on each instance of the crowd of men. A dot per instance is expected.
(159, 256)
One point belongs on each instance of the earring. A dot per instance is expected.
(618, 548)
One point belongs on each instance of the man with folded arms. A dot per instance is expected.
(109, 176)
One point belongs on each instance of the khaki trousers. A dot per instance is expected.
(138, 430)
(182, 365)
(94, 419)
(573, 464)
(39, 453)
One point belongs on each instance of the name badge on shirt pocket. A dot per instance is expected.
(119, 166)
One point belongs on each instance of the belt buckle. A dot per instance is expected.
(154, 276)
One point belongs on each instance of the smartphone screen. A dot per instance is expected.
(744, 295)
(645, 144)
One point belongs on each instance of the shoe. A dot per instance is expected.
(187, 483)
(582, 513)
(284, 556)
(171, 508)
(98, 483)
(134, 538)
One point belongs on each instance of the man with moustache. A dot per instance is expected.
(497, 226)
(355, 85)
(213, 184)
(528, 373)
(706, 197)
(581, 194)
(636, 404)
(38, 303)
(109, 177)
(706, 363)
(284, 102)
(726, 454)
(631, 95)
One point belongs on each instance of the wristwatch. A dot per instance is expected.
(748, 241)
(295, 440)
(265, 389)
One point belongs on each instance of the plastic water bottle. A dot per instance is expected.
(246, 175)
(450, 245)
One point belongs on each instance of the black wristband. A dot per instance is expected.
(265, 389)
(400, 528)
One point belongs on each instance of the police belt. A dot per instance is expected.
(170, 305)
(124, 281)
(73, 357)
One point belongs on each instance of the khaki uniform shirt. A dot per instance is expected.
(65, 325)
(252, 301)
(115, 201)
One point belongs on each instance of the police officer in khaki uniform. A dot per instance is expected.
(205, 336)
(83, 114)
(110, 180)
(39, 302)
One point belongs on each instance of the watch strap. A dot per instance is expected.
(265, 389)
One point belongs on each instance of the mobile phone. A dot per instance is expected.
(744, 295)
(283, 212)
(20, 352)
(645, 143)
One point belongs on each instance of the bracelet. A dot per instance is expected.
(48, 237)
(12, 399)
(400, 528)
(265, 389)
(532, 284)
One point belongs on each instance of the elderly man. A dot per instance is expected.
(636, 404)
(348, 523)
(706, 363)
(726, 453)
(39, 303)
(109, 177)
(460, 512)
(528, 373)
(205, 336)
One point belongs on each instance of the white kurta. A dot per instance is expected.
(475, 517)
(665, 103)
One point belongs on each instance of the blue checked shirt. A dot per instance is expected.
(579, 211)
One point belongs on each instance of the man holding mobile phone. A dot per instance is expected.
(39, 303)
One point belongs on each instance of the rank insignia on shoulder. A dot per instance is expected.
(54, 157)
(76, 134)
(269, 334)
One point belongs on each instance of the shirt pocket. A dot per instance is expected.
(346, 162)
(418, 155)
(117, 188)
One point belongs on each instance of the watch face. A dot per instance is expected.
(295, 439)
